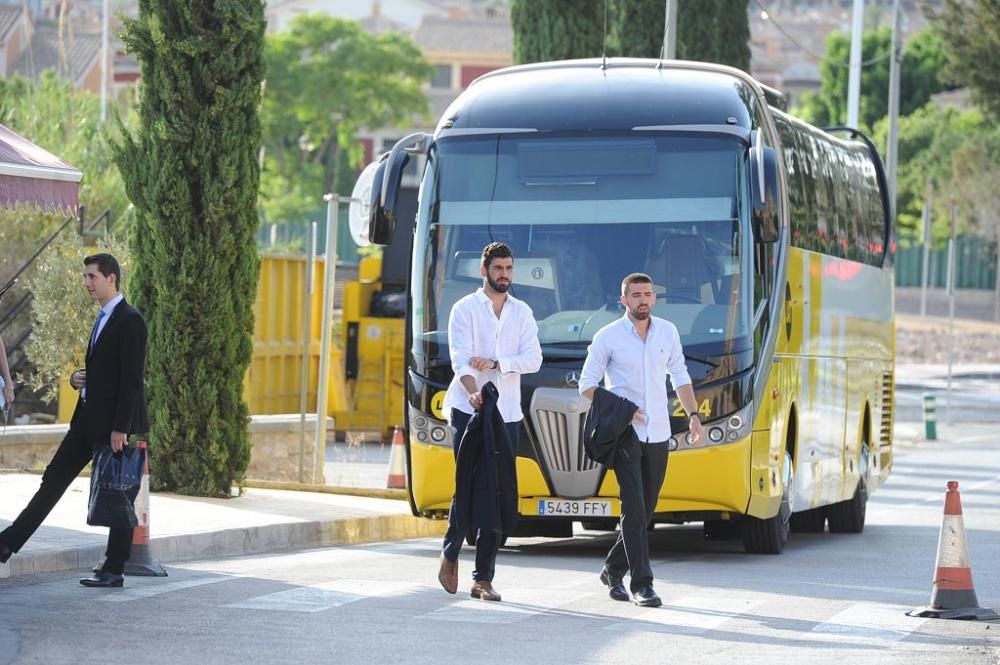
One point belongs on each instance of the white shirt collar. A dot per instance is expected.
(109, 307)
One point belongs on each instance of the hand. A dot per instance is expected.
(78, 379)
(481, 364)
(476, 400)
(697, 431)
(8, 392)
(118, 441)
(639, 417)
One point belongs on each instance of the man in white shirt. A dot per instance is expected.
(634, 356)
(492, 337)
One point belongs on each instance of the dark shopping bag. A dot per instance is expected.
(114, 484)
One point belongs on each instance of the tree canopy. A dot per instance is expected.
(327, 79)
(923, 57)
(971, 31)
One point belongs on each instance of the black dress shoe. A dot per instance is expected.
(103, 579)
(646, 597)
(5, 553)
(616, 589)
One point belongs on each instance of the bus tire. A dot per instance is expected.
(809, 521)
(849, 516)
(768, 536)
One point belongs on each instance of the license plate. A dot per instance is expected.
(574, 508)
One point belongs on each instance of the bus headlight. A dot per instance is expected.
(426, 429)
(719, 432)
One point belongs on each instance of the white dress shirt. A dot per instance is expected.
(637, 370)
(512, 339)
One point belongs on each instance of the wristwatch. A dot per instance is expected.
(496, 364)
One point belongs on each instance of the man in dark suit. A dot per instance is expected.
(111, 406)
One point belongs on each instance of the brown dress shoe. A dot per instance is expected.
(448, 574)
(484, 591)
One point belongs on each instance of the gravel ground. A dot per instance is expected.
(925, 340)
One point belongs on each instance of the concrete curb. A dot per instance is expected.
(370, 492)
(264, 539)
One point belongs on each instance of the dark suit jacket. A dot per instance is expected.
(116, 400)
(486, 471)
(608, 436)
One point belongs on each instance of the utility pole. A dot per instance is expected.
(895, 63)
(104, 62)
(670, 30)
(854, 82)
(951, 303)
(925, 218)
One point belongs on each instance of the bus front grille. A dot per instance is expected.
(558, 416)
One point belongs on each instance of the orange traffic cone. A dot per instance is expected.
(397, 462)
(141, 562)
(952, 593)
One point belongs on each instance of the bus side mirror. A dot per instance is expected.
(385, 187)
(381, 227)
(764, 184)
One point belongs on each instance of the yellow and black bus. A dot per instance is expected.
(770, 245)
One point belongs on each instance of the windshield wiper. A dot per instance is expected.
(703, 361)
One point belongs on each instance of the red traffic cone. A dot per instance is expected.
(952, 593)
(396, 479)
(141, 562)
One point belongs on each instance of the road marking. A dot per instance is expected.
(690, 615)
(870, 621)
(156, 588)
(325, 596)
(517, 605)
(873, 589)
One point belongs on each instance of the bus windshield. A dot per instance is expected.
(581, 211)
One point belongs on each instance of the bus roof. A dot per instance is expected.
(619, 93)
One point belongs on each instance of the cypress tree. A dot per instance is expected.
(708, 30)
(191, 171)
(733, 34)
(557, 29)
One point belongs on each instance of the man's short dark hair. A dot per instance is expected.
(635, 278)
(106, 265)
(496, 250)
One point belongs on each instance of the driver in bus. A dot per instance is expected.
(634, 355)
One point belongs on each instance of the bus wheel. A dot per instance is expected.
(849, 516)
(769, 536)
(809, 521)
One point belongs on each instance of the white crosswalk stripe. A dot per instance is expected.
(691, 615)
(517, 605)
(325, 596)
(156, 588)
(870, 622)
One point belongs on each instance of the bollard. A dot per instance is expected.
(930, 418)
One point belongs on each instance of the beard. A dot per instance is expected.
(639, 315)
(498, 287)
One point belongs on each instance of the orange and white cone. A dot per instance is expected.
(396, 479)
(140, 562)
(952, 593)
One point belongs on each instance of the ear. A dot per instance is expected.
(482, 271)
(623, 300)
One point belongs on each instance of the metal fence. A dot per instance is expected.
(975, 263)
(290, 237)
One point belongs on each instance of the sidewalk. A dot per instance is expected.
(185, 528)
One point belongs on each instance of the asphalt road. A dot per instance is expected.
(828, 599)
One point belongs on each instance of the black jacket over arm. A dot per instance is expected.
(608, 436)
(485, 471)
(115, 398)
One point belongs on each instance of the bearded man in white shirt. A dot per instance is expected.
(634, 355)
(492, 338)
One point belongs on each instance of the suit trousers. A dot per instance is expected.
(640, 480)
(74, 453)
(487, 540)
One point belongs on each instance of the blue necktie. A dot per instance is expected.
(97, 327)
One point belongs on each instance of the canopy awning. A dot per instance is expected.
(35, 177)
